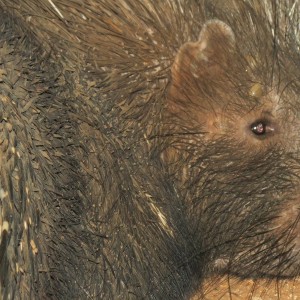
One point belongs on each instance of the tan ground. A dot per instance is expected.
(234, 289)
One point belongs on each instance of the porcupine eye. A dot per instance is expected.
(258, 128)
(261, 128)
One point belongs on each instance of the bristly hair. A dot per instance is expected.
(115, 181)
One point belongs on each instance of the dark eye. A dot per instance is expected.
(261, 127)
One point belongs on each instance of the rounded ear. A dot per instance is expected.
(206, 57)
(200, 69)
(215, 36)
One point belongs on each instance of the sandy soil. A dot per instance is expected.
(234, 289)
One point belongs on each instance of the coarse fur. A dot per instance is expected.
(37, 169)
(131, 167)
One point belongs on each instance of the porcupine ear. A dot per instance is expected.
(199, 66)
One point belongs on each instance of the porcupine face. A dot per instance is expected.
(233, 121)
